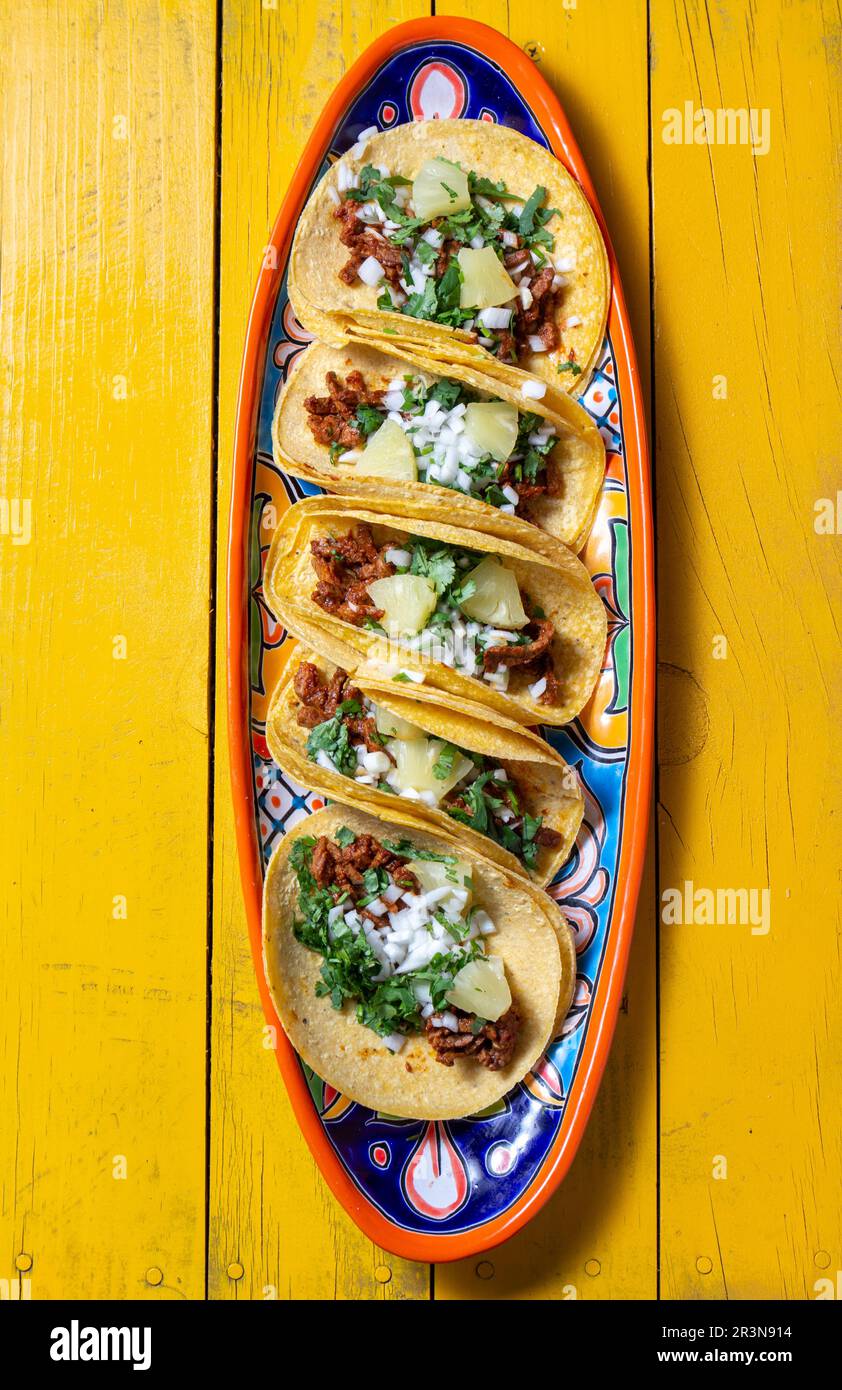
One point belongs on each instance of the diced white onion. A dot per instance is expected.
(394, 1041)
(538, 688)
(533, 390)
(358, 149)
(574, 321)
(435, 895)
(401, 559)
(536, 344)
(377, 762)
(495, 318)
(371, 271)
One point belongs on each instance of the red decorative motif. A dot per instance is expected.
(578, 1010)
(334, 1104)
(544, 1083)
(582, 889)
(435, 1181)
(271, 629)
(437, 92)
(296, 339)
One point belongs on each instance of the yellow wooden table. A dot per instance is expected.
(147, 1145)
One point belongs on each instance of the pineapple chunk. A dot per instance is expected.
(439, 189)
(485, 280)
(431, 874)
(481, 988)
(389, 454)
(392, 726)
(415, 762)
(492, 427)
(407, 601)
(496, 600)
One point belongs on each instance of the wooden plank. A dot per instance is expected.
(105, 440)
(744, 304)
(273, 1221)
(596, 1239)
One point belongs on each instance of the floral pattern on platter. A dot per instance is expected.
(446, 1177)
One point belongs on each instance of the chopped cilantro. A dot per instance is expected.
(408, 850)
(443, 766)
(448, 393)
(331, 737)
(526, 221)
(435, 562)
(368, 419)
(349, 965)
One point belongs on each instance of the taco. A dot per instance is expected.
(411, 974)
(464, 238)
(477, 616)
(415, 755)
(383, 427)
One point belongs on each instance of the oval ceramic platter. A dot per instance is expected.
(445, 1190)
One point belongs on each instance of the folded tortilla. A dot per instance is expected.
(334, 311)
(547, 787)
(532, 938)
(560, 587)
(575, 466)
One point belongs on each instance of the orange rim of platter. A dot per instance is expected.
(548, 111)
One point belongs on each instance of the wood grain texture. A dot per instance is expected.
(745, 288)
(597, 1237)
(271, 1212)
(105, 333)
